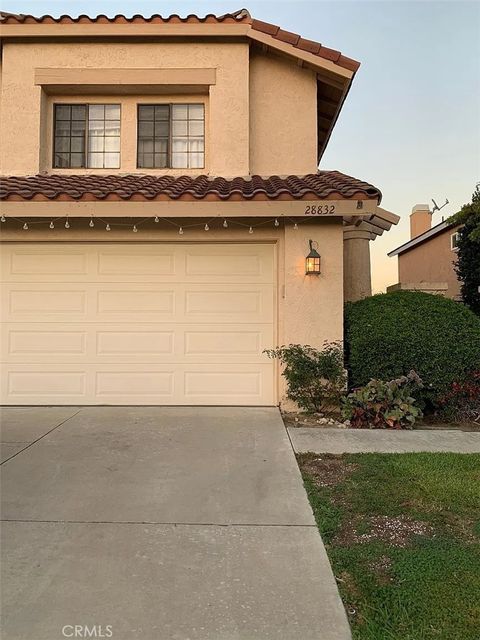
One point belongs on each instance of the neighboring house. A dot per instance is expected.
(427, 261)
(160, 190)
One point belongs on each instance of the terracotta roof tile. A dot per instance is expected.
(321, 185)
(242, 16)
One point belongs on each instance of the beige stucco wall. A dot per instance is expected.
(260, 116)
(309, 309)
(283, 117)
(431, 262)
(228, 130)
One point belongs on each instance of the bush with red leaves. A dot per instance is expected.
(461, 403)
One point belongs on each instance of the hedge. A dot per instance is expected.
(389, 334)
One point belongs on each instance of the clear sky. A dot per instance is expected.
(411, 123)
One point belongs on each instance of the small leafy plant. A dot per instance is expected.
(315, 378)
(461, 403)
(383, 405)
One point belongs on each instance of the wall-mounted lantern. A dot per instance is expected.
(312, 261)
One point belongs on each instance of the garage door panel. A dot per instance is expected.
(229, 303)
(24, 302)
(137, 324)
(44, 383)
(133, 263)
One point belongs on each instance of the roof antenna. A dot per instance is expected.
(436, 207)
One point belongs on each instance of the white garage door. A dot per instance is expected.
(137, 323)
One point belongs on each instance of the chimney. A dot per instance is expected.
(420, 220)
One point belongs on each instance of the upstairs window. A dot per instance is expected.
(454, 238)
(171, 136)
(86, 136)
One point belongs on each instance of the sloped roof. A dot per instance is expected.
(322, 185)
(237, 17)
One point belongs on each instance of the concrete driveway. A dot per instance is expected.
(159, 523)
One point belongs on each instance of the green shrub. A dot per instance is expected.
(383, 405)
(388, 335)
(315, 379)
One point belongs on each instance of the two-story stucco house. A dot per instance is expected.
(159, 194)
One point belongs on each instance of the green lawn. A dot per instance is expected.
(403, 535)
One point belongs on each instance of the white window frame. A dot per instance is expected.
(453, 239)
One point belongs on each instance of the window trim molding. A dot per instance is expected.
(86, 105)
(452, 236)
(170, 137)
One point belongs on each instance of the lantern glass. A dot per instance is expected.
(312, 261)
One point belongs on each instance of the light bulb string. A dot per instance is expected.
(136, 223)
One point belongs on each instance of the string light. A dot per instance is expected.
(108, 227)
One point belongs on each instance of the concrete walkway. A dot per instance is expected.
(382, 441)
(163, 523)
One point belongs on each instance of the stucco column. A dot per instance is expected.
(357, 279)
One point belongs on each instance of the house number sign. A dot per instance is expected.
(319, 210)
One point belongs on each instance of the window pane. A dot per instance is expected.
(112, 127)
(179, 128)
(112, 144)
(61, 160)
(96, 128)
(161, 129)
(62, 112)
(78, 128)
(145, 129)
(95, 160)
(96, 143)
(77, 144)
(179, 111)
(112, 160)
(96, 111)
(161, 146)
(180, 145)
(179, 160)
(195, 111)
(145, 146)
(77, 160)
(62, 144)
(112, 112)
(195, 128)
(196, 144)
(62, 128)
(78, 112)
(146, 112)
(161, 160)
(196, 160)
(145, 160)
(162, 112)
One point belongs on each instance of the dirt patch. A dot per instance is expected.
(396, 531)
(326, 470)
(381, 567)
(312, 420)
